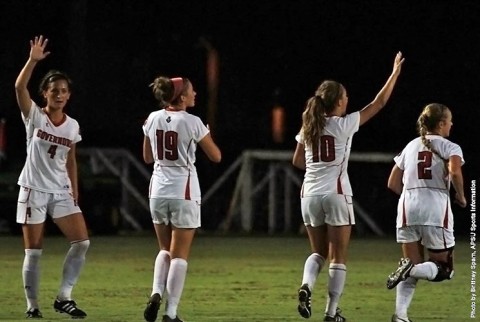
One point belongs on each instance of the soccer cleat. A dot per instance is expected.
(404, 267)
(304, 301)
(395, 318)
(151, 311)
(69, 307)
(34, 314)
(336, 318)
(166, 318)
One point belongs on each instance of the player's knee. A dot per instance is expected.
(445, 271)
(80, 248)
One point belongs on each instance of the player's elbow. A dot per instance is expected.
(394, 188)
(298, 164)
(148, 159)
(215, 157)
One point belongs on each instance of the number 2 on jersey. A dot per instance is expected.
(424, 165)
(167, 145)
(327, 149)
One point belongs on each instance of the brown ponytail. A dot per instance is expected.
(428, 120)
(317, 108)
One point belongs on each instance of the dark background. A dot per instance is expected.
(271, 52)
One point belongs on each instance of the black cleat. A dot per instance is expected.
(395, 318)
(34, 314)
(336, 318)
(69, 307)
(404, 267)
(151, 311)
(304, 301)
(166, 318)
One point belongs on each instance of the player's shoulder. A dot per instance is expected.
(451, 148)
(191, 118)
(444, 142)
(154, 115)
(71, 120)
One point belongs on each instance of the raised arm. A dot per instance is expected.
(382, 97)
(455, 170)
(37, 53)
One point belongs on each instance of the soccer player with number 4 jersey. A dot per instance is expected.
(48, 182)
(422, 175)
(323, 150)
(170, 142)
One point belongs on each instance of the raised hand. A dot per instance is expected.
(37, 48)
(397, 64)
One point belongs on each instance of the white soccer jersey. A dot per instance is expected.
(47, 150)
(173, 137)
(327, 162)
(425, 199)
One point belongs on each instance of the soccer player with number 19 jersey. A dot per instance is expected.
(170, 142)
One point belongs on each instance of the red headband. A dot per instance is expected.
(177, 87)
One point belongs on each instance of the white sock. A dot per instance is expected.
(175, 282)
(72, 266)
(405, 290)
(160, 272)
(337, 274)
(31, 276)
(313, 266)
(424, 271)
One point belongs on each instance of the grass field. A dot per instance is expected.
(229, 279)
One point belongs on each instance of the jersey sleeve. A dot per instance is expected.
(347, 125)
(352, 123)
(450, 149)
(146, 125)
(299, 138)
(32, 118)
(78, 135)
(199, 129)
(400, 160)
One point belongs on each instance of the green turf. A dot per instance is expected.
(229, 279)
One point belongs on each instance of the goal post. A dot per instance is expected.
(267, 179)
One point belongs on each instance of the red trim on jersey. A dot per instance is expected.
(150, 188)
(404, 215)
(28, 210)
(444, 241)
(349, 214)
(445, 218)
(187, 188)
(339, 186)
(57, 124)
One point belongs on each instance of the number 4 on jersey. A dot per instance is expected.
(52, 150)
